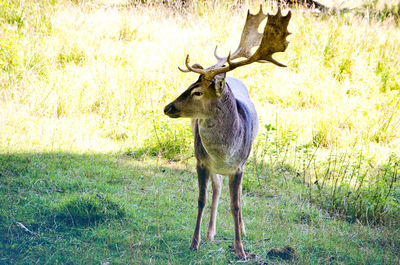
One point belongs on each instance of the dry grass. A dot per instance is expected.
(118, 64)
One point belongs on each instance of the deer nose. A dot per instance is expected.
(170, 109)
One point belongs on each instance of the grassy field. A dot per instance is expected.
(92, 172)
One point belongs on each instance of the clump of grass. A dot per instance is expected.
(381, 11)
(286, 253)
(12, 13)
(9, 57)
(70, 55)
(88, 209)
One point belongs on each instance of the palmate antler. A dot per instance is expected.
(272, 40)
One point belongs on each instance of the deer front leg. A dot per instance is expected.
(216, 185)
(202, 177)
(235, 182)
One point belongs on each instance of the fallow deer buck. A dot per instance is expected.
(224, 120)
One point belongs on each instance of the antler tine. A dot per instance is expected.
(216, 55)
(190, 68)
(261, 10)
(228, 59)
(183, 70)
(279, 13)
(272, 60)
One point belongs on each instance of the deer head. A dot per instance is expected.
(198, 100)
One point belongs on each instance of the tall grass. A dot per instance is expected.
(344, 182)
(103, 72)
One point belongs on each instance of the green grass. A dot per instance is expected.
(157, 201)
(91, 171)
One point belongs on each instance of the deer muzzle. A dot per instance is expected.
(171, 111)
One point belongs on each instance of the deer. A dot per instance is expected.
(224, 120)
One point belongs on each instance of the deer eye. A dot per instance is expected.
(197, 94)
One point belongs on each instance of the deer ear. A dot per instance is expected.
(219, 85)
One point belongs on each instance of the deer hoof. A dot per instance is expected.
(240, 254)
(194, 245)
(210, 236)
(239, 251)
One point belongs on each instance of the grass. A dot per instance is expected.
(154, 228)
(91, 171)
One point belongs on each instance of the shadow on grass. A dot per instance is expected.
(56, 207)
(96, 208)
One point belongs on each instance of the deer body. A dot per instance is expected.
(224, 120)
(223, 142)
(224, 129)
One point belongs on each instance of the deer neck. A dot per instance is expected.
(220, 135)
(225, 117)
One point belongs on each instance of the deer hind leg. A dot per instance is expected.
(235, 182)
(241, 222)
(216, 185)
(202, 177)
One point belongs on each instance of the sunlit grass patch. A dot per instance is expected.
(12, 12)
(71, 55)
